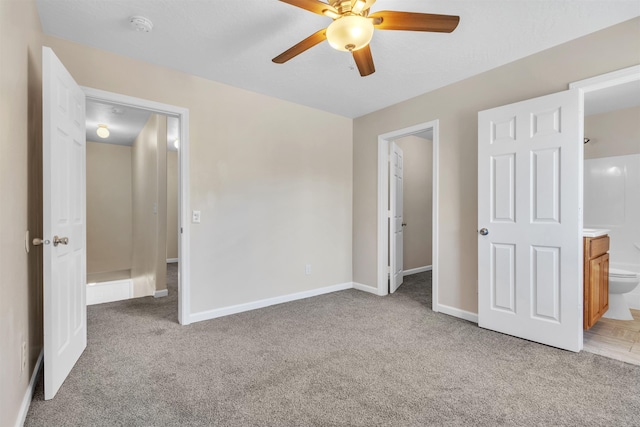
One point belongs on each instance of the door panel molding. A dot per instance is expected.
(530, 269)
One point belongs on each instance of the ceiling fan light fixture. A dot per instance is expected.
(331, 14)
(102, 131)
(350, 33)
(358, 6)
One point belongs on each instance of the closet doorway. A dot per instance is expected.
(390, 212)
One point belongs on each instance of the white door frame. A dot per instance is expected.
(596, 83)
(184, 283)
(603, 81)
(383, 210)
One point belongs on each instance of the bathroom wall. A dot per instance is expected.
(612, 201)
(612, 134)
(149, 178)
(109, 208)
(417, 201)
(172, 204)
(612, 185)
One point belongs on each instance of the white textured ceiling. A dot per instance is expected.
(233, 42)
(124, 123)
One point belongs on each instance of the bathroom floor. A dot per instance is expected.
(616, 339)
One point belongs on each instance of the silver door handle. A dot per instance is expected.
(483, 231)
(60, 240)
(38, 242)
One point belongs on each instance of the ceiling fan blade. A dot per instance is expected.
(314, 6)
(410, 21)
(305, 44)
(364, 61)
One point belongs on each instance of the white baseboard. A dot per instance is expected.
(416, 270)
(172, 260)
(366, 288)
(456, 312)
(226, 311)
(161, 293)
(115, 290)
(28, 395)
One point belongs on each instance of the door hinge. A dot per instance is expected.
(389, 214)
(181, 230)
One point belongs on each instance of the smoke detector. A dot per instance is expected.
(140, 23)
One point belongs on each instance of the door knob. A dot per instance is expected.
(38, 242)
(404, 224)
(483, 231)
(60, 240)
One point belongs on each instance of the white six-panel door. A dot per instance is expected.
(64, 200)
(396, 232)
(529, 220)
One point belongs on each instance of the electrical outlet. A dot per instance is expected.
(195, 217)
(23, 364)
(307, 269)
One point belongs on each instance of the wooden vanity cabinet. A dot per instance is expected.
(596, 279)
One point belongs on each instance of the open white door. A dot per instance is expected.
(530, 220)
(396, 236)
(64, 199)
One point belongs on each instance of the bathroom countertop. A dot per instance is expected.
(594, 232)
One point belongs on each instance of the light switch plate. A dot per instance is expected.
(195, 217)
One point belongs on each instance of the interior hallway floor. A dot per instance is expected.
(347, 358)
(618, 339)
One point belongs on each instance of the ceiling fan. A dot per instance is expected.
(352, 28)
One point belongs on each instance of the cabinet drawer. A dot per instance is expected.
(598, 246)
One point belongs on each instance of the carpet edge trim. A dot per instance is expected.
(254, 305)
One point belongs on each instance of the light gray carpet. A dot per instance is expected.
(342, 359)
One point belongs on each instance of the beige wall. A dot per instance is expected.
(172, 204)
(149, 179)
(21, 205)
(109, 209)
(616, 133)
(271, 178)
(457, 106)
(417, 191)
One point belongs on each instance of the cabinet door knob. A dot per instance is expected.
(483, 232)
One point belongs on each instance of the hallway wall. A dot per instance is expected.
(172, 204)
(418, 183)
(149, 179)
(109, 208)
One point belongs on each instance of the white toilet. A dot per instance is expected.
(620, 283)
